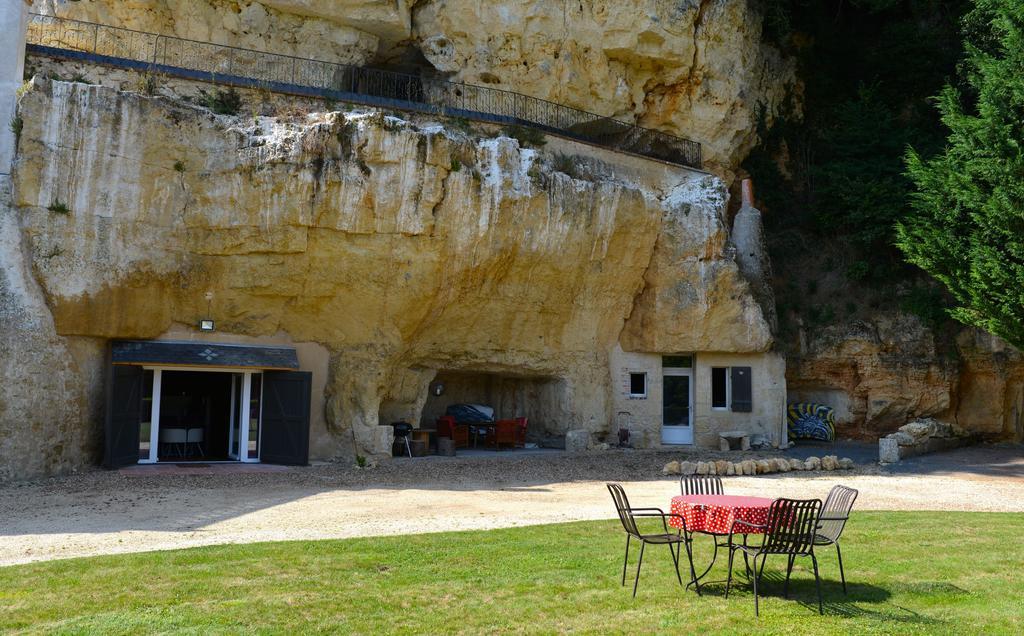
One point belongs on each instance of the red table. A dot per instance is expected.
(714, 514)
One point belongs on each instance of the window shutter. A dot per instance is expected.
(742, 398)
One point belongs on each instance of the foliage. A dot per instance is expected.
(58, 207)
(527, 136)
(17, 124)
(179, 166)
(147, 84)
(830, 167)
(967, 224)
(561, 578)
(222, 102)
(456, 165)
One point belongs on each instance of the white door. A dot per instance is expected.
(677, 406)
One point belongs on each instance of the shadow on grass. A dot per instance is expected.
(851, 605)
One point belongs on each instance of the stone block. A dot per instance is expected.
(702, 468)
(730, 469)
(721, 466)
(888, 450)
(577, 441)
(671, 468)
(687, 468)
(812, 463)
(763, 467)
(796, 464)
(782, 465)
(829, 462)
(846, 463)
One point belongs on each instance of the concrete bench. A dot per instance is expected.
(733, 440)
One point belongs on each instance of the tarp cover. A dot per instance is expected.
(202, 354)
(811, 421)
(469, 413)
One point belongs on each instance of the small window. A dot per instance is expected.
(677, 362)
(719, 387)
(638, 385)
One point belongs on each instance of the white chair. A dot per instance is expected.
(195, 436)
(177, 438)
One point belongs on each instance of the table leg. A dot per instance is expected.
(714, 557)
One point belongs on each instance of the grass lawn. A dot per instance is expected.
(921, 572)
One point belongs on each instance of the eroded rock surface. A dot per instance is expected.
(401, 247)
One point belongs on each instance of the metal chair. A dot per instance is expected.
(700, 485)
(833, 518)
(628, 517)
(790, 530)
(402, 432)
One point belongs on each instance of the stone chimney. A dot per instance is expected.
(752, 253)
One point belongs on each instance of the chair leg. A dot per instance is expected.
(408, 449)
(728, 580)
(817, 581)
(639, 564)
(746, 565)
(625, 561)
(764, 559)
(693, 572)
(675, 559)
(757, 611)
(789, 571)
(842, 575)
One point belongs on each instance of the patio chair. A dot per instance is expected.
(504, 434)
(790, 530)
(700, 485)
(520, 432)
(459, 433)
(832, 520)
(628, 517)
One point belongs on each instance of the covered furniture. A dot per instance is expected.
(789, 530)
(675, 541)
(175, 438)
(834, 515)
(194, 437)
(458, 433)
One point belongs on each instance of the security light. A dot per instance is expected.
(206, 325)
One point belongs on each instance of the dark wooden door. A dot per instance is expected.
(285, 438)
(124, 407)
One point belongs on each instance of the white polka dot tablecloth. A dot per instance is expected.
(715, 513)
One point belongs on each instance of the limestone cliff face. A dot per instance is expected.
(694, 68)
(402, 247)
(882, 373)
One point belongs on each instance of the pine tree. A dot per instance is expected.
(966, 227)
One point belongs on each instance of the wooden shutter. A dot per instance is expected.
(285, 437)
(742, 394)
(124, 406)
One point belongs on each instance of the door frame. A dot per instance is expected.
(243, 399)
(678, 372)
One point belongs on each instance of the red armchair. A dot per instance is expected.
(504, 434)
(520, 432)
(459, 433)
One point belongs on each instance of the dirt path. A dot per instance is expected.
(102, 512)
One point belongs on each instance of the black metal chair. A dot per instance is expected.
(790, 530)
(834, 515)
(628, 517)
(700, 485)
(402, 432)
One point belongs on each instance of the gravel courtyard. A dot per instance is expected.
(100, 512)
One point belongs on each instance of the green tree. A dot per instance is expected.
(966, 225)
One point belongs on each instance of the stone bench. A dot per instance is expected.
(733, 440)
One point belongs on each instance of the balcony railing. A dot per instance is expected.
(228, 65)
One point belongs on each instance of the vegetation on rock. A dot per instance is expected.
(966, 225)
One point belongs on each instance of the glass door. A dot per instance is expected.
(237, 415)
(677, 406)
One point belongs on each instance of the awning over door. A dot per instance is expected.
(202, 354)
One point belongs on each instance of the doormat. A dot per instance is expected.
(191, 465)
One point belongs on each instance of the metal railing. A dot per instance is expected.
(234, 66)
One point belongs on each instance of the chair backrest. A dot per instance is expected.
(446, 426)
(173, 435)
(505, 431)
(700, 485)
(521, 431)
(622, 507)
(195, 435)
(791, 524)
(839, 503)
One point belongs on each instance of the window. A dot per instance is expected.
(719, 387)
(677, 362)
(638, 385)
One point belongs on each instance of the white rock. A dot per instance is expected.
(702, 468)
(829, 462)
(687, 468)
(846, 463)
(812, 463)
(796, 464)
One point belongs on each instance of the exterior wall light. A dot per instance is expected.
(206, 325)
(439, 389)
